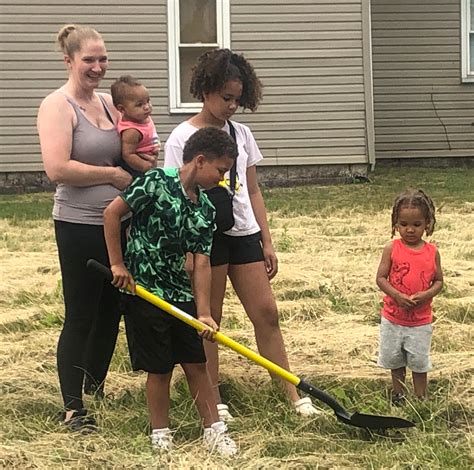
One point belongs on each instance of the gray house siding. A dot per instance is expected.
(421, 107)
(31, 67)
(309, 55)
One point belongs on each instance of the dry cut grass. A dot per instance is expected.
(328, 304)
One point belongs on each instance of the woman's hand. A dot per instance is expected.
(149, 157)
(271, 261)
(149, 161)
(122, 279)
(121, 178)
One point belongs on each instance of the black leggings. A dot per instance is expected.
(92, 312)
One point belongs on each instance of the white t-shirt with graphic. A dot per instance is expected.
(249, 155)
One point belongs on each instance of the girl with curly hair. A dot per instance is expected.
(225, 81)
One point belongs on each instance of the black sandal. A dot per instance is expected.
(399, 399)
(91, 387)
(80, 422)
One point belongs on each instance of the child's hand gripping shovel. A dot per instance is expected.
(356, 419)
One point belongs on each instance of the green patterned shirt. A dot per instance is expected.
(166, 225)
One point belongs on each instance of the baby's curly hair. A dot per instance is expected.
(415, 198)
(122, 87)
(214, 68)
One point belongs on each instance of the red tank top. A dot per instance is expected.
(411, 271)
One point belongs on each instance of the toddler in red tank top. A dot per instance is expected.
(140, 141)
(410, 275)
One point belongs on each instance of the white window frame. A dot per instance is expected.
(223, 40)
(466, 75)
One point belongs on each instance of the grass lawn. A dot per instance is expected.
(329, 241)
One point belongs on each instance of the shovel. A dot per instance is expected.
(355, 419)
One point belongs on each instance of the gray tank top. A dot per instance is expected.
(93, 146)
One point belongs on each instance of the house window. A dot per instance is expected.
(467, 40)
(194, 27)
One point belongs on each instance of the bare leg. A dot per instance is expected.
(201, 391)
(219, 279)
(158, 398)
(420, 383)
(252, 286)
(398, 380)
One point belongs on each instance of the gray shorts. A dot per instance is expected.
(402, 346)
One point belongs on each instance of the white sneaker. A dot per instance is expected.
(162, 439)
(305, 407)
(224, 413)
(216, 439)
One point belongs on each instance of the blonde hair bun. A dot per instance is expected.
(70, 37)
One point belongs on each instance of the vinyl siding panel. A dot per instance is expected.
(307, 53)
(31, 66)
(421, 107)
(309, 57)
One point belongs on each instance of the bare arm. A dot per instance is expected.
(140, 162)
(55, 128)
(383, 272)
(258, 206)
(112, 223)
(202, 292)
(436, 286)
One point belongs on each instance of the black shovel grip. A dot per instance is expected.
(323, 396)
(104, 271)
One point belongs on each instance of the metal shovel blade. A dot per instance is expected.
(356, 419)
(378, 422)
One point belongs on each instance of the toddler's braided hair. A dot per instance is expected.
(215, 68)
(415, 198)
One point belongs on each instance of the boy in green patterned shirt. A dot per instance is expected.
(172, 217)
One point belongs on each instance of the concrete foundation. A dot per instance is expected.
(24, 182)
(269, 176)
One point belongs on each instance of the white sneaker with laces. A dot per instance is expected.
(305, 407)
(162, 439)
(224, 413)
(216, 439)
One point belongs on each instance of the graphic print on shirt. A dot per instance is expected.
(411, 271)
(225, 183)
(398, 273)
(425, 283)
(165, 226)
(155, 141)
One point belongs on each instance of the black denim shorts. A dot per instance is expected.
(236, 250)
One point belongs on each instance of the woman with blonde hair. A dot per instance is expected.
(81, 150)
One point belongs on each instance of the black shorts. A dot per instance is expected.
(236, 250)
(157, 341)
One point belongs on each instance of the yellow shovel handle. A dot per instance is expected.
(355, 419)
(218, 336)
